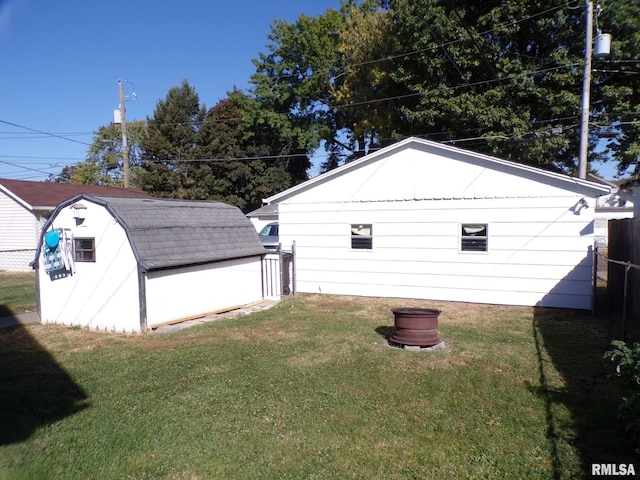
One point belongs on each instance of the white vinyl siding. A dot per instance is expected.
(539, 248)
(417, 254)
(183, 292)
(101, 295)
(18, 235)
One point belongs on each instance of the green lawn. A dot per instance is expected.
(310, 389)
(17, 292)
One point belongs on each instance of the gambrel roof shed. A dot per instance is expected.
(127, 264)
(420, 219)
(167, 233)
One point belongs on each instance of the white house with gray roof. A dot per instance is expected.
(420, 219)
(130, 264)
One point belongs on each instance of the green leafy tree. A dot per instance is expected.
(503, 78)
(104, 163)
(364, 43)
(249, 159)
(617, 83)
(293, 82)
(238, 152)
(494, 77)
(171, 143)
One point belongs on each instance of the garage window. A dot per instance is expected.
(85, 249)
(474, 237)
(361, 236)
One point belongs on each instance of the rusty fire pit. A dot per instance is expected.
(416, 327)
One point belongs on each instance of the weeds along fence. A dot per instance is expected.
(622, 259)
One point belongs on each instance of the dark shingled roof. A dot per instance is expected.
(169, 233)
(49, 194)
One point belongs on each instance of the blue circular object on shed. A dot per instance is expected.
(52, 239)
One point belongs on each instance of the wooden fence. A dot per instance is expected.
(623, 273)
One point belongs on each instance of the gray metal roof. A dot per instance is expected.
(169, 233)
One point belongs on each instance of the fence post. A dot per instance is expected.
(281, 267)
(594, 287)
(293, 268)
(624, 302)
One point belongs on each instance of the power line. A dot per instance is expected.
(29, 136)
(40, 158)
(25, 168)
(44, 133)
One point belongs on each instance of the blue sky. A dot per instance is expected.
(61, 62)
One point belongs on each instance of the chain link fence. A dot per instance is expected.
(617, 294)
(17, 260)
(17, 282)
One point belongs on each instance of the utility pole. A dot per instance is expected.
(603, 49)
(125, 145)
(586, 94)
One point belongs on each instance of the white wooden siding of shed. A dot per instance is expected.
(18, 235)
(182, 292)
(102, 295)
(539, 250)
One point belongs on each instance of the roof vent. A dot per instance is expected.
(80, 211)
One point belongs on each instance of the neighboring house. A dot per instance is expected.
(632, 188)
(425, 220)
(263, 216)
(129, 264)
(25, 206)
(616, 205)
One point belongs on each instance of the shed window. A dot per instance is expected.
(474, 237)
(361, 236)
(85, 249)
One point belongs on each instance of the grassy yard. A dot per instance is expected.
(17, 292)
(310, 389)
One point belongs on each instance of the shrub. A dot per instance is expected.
(627, 367)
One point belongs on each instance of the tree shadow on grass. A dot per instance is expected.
(581, 399)
(34, 389)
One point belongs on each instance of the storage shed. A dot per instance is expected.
(129, 264)
(420, 219)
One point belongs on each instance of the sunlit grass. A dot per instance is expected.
(17, 292)
(311, 389)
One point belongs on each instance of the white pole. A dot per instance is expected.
(586, 93)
